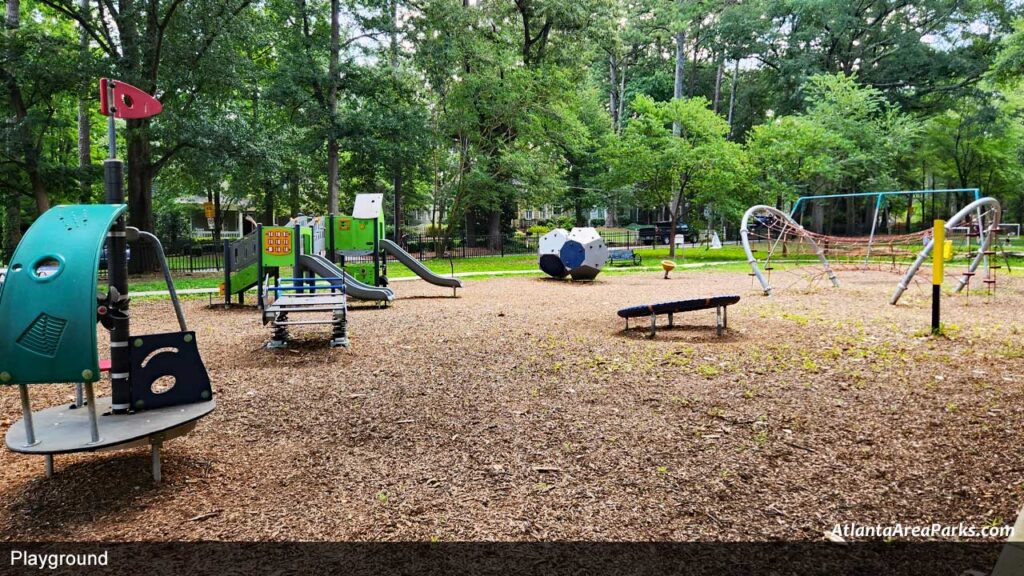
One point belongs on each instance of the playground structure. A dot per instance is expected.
(317, 286)
(580, 253)
(351, 248)
(48, 315)
(971, 234)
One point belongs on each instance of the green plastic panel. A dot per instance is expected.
(244, 279)
(278, 246)
(48, 302)
(307, 239)
(356, 233)
(362, 272)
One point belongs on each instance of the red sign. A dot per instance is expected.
(129, 102)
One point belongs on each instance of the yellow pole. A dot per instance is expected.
(938, 247)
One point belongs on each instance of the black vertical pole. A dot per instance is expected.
(117, 272)
(938, 262)
(297, 249)
(259, 266)
(227, 273)
(330, 240)
(376, 251)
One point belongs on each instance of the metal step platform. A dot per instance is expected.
(277, 314)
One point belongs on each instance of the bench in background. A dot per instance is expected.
(624, 255)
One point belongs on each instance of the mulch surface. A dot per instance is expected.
(523, 411)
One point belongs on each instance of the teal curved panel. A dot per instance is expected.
(48, 299)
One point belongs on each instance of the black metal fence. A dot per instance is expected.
(197, 257)
(182, 258)
(426, 247)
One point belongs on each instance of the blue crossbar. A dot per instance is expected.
(308, 280)
(304, 288)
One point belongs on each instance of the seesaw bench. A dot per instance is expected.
(719, 303)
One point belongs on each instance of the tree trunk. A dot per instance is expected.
(622, 96)
(851, 218)
(140, 177)
(332, 104)
(398, 205)
(613, 91)
(718, 84)
(26, 142)
(39, 193)
(12, 224)
(293, 194)
(84, 141)
(12, 199)
(693, 67)
(494, 229)
(269, 197)
(732, 94)
(680, 201)
(218, 215)
(398, 168)
(581, 216)
(457, 210)
(677, 91)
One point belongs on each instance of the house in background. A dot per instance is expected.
(527, 217)
(234, 221)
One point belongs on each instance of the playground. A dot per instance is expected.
(521, 410)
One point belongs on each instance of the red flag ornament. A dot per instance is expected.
(130, 103)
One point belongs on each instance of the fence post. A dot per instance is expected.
(227, 273)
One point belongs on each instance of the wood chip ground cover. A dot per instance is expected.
(522, 411)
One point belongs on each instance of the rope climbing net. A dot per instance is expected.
(776, 242)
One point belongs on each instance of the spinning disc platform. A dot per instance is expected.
(677, 306)
(63, 430)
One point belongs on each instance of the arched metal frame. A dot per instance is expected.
(987, 234)
(796, 228)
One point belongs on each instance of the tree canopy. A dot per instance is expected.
(469, 110)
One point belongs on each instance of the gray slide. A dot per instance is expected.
(325, 268)
(418, 267)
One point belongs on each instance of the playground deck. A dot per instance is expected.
(522, 411)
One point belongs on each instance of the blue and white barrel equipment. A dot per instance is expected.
(580, 253)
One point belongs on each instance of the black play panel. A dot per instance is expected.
(175, 354)
(678, 306)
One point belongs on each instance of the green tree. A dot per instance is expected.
(168, 48)
(695, 168)
(793, 156)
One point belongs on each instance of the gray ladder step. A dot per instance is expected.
(304, 309)
(302, 322)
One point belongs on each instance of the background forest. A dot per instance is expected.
(468, 111)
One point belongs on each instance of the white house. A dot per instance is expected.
(235, 223)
